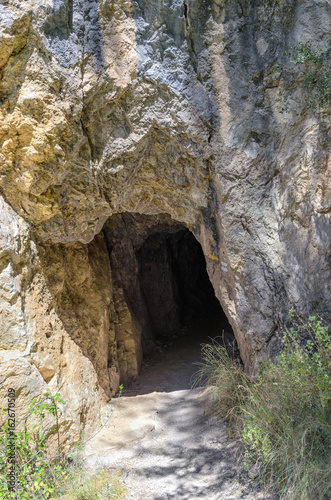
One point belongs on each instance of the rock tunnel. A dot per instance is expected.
(159, 269)
(152, 108)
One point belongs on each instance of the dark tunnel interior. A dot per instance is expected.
(175, 284)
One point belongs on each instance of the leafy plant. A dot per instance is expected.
(283, 415)
(42, 471)
(314, 64)
(35, 476)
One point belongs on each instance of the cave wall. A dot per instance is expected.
(153, 108)
(124, 235)
(57, 323)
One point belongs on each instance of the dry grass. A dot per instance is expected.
(284, 414)
(78, 485)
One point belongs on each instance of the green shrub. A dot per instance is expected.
(36, 476)
(43, 471)
(283, 415)
(314, 66)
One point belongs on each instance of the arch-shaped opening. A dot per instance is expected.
(160, 275)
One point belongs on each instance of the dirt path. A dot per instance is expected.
(162, 439)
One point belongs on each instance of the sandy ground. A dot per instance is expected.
(163, 439)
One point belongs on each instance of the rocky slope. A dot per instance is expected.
(163, 109)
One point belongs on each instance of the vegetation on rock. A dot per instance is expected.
(314, 65)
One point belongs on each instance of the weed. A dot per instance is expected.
(78, 485)
(314, 71)
(42, 471)
(283, 415)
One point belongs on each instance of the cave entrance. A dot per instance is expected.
(161, 288)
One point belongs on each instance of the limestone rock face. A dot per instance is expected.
(162, 109)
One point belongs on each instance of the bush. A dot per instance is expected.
(283, 415)
(314, 66)
(24, 452)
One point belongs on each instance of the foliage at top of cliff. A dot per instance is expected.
(315, 69)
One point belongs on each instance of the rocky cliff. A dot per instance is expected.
(168, 112)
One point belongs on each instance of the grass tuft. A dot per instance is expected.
(283, 415)
(78, 485)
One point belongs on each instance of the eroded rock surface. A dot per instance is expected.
(159, 109)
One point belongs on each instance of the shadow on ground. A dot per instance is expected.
(163, 439)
